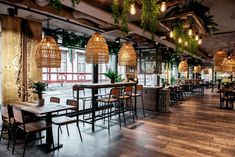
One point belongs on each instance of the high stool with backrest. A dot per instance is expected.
(139, 93)
(126, 102)
(65, 120)
(27, 127)
(109, 102)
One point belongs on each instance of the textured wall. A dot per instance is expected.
(19, 39)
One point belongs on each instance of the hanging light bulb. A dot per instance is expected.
(132, 9)
(171, 34)
(196, 37)
(163, 6)
(190, 32)
(200, 41)
(180, 40)
(186, 43)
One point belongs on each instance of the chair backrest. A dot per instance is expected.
(55, 100)
(18, 116)
(128, 90)
(72, 103)
(76, 89)
(115, 92)
(4, 111)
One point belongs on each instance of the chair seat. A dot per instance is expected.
(135, 95)
(124, 97)
(106, 100)
(35, 126)
(63, 120)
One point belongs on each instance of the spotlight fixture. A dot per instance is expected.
(163, 6)
(132, 9)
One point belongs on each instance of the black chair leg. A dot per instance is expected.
(40, 136)
(14, 142)
(25, 143)
(9, 137)
(79, 132)
(67, 129)
(61, 130)
(58, 136)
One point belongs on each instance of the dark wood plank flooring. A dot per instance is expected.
(196, 127)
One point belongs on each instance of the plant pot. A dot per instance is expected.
(112, 80)
(42, 3)
(41, 102)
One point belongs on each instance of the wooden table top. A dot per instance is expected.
(47, 108)
(104, 85)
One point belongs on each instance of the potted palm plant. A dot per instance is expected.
(114, 77)
(38, 88)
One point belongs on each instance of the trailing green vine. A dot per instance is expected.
(149, 16)
(115, 9)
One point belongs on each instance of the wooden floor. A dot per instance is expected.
(196, 127)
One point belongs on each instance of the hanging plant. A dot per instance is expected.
(115, 9)
(188, 43)
(123, 16)
(58, 5)
(149, 16)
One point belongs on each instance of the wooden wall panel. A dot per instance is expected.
(18, 58)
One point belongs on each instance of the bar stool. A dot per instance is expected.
(139, 93)
(109, 102)
(126, 100)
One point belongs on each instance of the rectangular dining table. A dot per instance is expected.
(47, 110)
(94, 88)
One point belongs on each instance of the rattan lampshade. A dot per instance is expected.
(48, 53)
(183, 66)
(127, 55)
(97, 50)
(229, 64)
(197, 69)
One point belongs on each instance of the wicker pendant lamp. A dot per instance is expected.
(97, 50)
(183, 66)
(206, 71)
(127, 55)
(229, 64)
(218, 60)
(197, 69)
(48, 53)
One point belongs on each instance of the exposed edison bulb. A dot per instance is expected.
(48, 44)
(171, 34)
(163, 6)
(185, 43)
(97, 39)
(190, 32)
(180, 40)
(132, 9)
(200, 41)
(196, 38)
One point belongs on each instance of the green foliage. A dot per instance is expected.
(115, 9)
(149, 16)
(113, 76)
(58, 5)
(123, 16)
(39, 87)
(180, 32)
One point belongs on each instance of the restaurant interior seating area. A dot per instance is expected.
(117, 78)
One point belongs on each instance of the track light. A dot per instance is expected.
(190, 32)
(196, 37)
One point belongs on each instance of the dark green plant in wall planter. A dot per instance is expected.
(58, 5)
